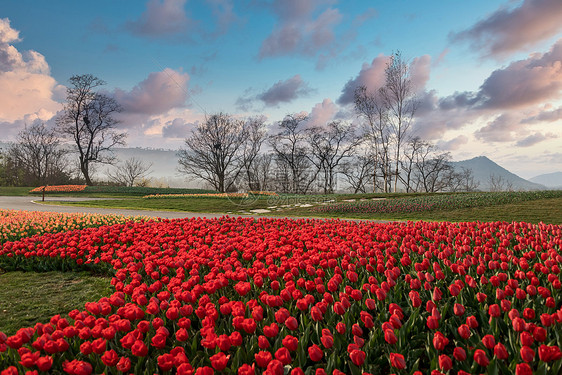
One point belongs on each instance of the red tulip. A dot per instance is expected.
(527, 354)
(500, 351)
(397, 361)
(219, 361)
(327, 341)
(445, 362)
(263, 358)
(315, 353)
(489, 341)
(290, 342)
(459, 354)
(432, 322)
(481, 358)
(357, 357)
(283, 355)
(390, 337)
(523, 369)
(549, 353)
(464, 331)
(110, 358)
(440, 341)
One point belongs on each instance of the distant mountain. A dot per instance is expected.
(485, 171)
(550, 180)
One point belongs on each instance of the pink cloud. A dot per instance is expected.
(28, 90)
(452, 144)
(322, 113)
(177, 128)
(524, 82)
(298, 31)
(373, 76)
(281, 92)
(509, 30)
(535, 138)
(162, 18)
(157, 94)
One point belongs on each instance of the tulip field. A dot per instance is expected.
(283, 296)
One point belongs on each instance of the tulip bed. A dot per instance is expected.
(278, 296)
(15, 224)
(435, 202)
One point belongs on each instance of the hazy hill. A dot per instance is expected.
(483, 168)
(550, 180)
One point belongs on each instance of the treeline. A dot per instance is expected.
(376, 152)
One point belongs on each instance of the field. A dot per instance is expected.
(278, 296)
(533, 207)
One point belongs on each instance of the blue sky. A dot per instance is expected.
(488, 73)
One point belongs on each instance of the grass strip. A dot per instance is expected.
(27, 298)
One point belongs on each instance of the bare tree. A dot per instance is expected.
(256, 135)
(358, 171)
(88, 120)
(499, 183)
(129, 172)
(214, 151)
(464, 180)
(330, 146)
(398, 97)
(38, 157)
(371, 107)
(260, 172)
(291, 151)
(411, 153)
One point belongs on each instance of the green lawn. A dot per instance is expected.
(27, 298)
(14, 191)
(546, 210)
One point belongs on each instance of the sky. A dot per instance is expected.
(487, 74)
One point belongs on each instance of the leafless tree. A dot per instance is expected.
(214, 151)
(291, 152)
(329, 147)
(358, 171)
(37, 157)
(499, 183)
(370, 107)
(88, 120)
(129, 172)
(260, 172)
(432, 171)
(411, 152)
(398, 98)
(464, 180)
(256, 135)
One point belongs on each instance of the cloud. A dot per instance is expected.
(281, 92)
(285, 91)
(322, 113)
(223, 12)
(452, 144)
(157, 94)
(177, 128)
(545, 116)
(373, 76)
(509, 30)
(28, 91)
(535, 138)
(524, 82)
(162, 18)
(299, 30)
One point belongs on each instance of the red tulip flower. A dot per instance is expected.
(481, 358)
(315, 353)
(445, 362)
(527, 354)
(397, 361)
(500, 351)
(357, 357)
(523, 369)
